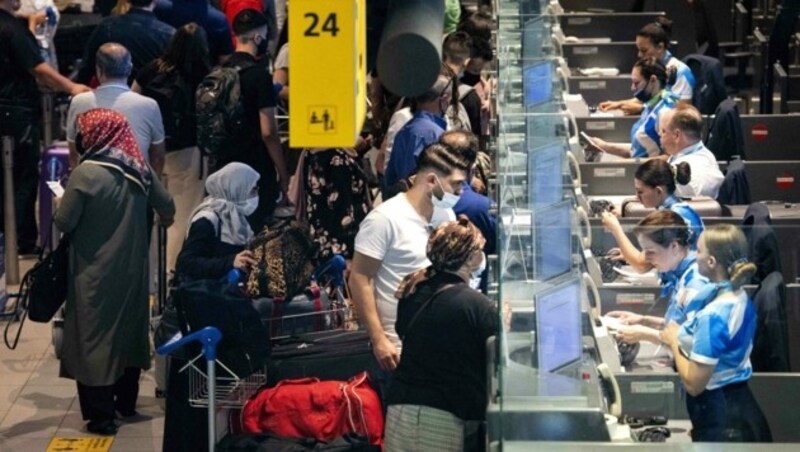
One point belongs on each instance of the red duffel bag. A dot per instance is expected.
(310, 408)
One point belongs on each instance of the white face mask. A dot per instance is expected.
(448, 201)
(250, 206)
(475, 278)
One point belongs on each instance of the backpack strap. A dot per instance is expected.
(424, 306)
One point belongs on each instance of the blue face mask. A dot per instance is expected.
(642, 95)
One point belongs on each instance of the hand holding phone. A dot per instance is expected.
(591, 149)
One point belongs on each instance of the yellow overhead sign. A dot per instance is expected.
(327, 78)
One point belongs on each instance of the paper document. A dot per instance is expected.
(56, 188)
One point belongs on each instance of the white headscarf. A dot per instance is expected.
(225, 206)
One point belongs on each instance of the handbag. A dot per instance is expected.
(47, 283)
(245, 344)
(323, 410)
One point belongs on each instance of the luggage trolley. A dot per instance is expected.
(314, 310)
(209, 389)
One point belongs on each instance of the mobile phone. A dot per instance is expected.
(588, 140)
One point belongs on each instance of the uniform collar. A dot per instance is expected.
(670, 279)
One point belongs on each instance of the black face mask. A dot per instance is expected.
(261, 47)
(470, 79)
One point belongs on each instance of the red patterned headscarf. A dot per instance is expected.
(107, 140)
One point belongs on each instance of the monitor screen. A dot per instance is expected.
(558, 325)
(529, 7)
(546, 175)
(552, 233)
(537, 83)
(532, 38)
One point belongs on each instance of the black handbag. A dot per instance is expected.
(245, 344)
(47, 283)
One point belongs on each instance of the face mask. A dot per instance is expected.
(250, 206)
(642, 95)
(470, 79)
(448, 201)
(261, 47)
(475, 279)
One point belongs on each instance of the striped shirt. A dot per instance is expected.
(645, 140)
(721, 335)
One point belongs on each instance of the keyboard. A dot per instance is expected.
(607, 268)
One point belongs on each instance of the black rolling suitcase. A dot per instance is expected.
(328, 355)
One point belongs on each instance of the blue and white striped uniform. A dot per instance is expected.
(688, 214)
(645, 140)
(721, 335)
(684, 85)
(688, 290)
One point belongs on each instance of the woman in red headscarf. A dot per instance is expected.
(104, 210)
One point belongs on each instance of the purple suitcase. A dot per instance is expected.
(54, 166)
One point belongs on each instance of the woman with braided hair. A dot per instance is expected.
(655, 184)
(439, 386)
(712, 349)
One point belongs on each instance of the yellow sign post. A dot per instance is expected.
(327, 44)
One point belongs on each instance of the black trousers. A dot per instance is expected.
(26, 175)
(99, 403)
(727, 414)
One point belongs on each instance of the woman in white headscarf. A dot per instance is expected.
(218, 227)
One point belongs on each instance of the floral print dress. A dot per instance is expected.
(337, 200)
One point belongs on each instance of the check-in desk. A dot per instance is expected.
(620, 55)
(613, 27)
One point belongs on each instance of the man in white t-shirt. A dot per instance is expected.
(392, 241)
(681, 138)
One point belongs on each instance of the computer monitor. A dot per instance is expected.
(537, 83)
(558, 325)
(533, 33)
(530, 7)
(546, 175)
(552, 237)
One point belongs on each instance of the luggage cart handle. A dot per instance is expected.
(337, 264)
(208, 337)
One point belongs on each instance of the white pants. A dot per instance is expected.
(182, 179)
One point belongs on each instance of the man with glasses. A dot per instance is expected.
(424, 128)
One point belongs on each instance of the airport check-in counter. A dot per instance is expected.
(557, 376)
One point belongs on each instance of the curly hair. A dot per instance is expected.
(449, 248)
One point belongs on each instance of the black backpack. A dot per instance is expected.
(709, 89)
(245, 344)
(176, 101)
(220, 114)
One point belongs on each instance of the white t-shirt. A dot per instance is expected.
(706, 176)
(397, 235)
(142, 113)
(398, 120)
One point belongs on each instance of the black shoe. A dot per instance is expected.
(127, 414)
(106, 428)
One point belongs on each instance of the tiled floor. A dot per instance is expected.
(36, 405)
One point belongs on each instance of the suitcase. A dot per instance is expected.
(329, 355)
(54, 166)
(307, 312)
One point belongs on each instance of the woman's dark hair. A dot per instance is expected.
(187, 53)
(651, 66)
(664, 227)
(478, 24)
(658, 31)
(657, 173)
